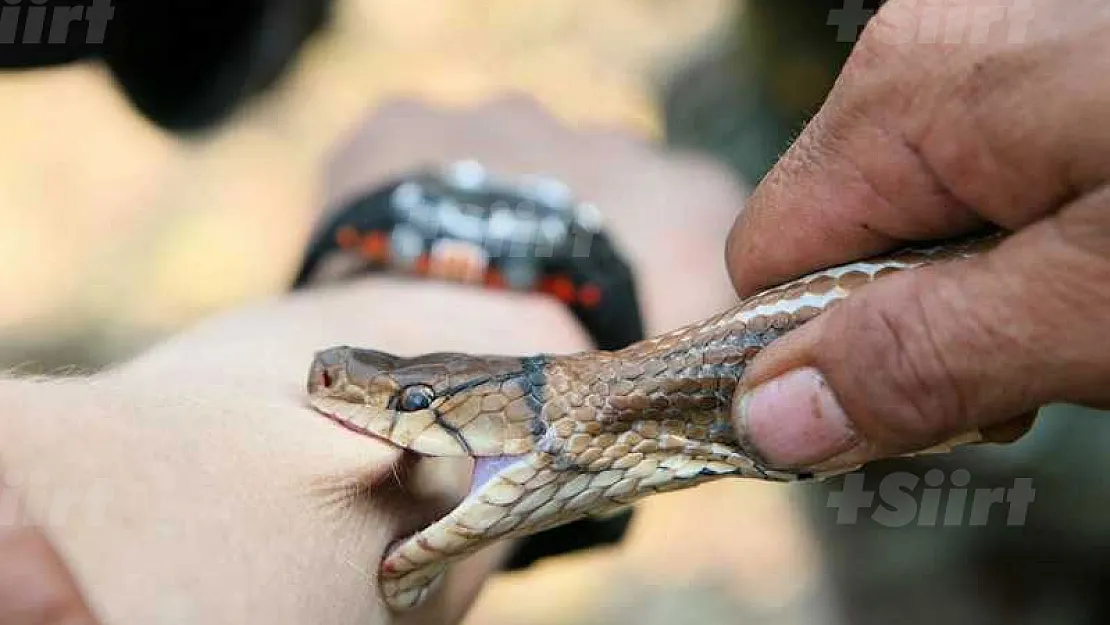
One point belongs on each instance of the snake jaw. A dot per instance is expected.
(358, 389)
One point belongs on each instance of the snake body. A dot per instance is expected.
(558, 437)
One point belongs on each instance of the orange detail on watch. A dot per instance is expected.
(563, 288)
(589, 295)
(494, 279)
(347, 237)
(375, 246)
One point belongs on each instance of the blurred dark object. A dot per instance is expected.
(185, 64)
(744, 99)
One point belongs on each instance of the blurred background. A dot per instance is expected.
(115, 233)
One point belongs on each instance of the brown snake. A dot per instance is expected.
(556, 438)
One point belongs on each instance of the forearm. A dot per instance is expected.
(162, 504)
(265, 350)
(193, 483)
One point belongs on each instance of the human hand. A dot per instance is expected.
(921, 141)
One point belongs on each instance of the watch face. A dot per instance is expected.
(464, 223)
(461, 224)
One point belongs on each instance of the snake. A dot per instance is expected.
(555, 438)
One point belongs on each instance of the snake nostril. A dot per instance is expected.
(320, 378)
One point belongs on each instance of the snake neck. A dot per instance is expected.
(672, 392)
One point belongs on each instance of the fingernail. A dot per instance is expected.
(795, 421)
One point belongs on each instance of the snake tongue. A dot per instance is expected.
(486, 467)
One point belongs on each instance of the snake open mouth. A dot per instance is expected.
(484, 469)
(431, 510)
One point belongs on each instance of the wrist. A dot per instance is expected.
(266, 349)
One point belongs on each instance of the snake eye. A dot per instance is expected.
(416, 397)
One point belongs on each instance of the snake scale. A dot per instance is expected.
(558, 437)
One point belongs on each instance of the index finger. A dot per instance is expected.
(923, 141)
(36, 586)
(847, 189)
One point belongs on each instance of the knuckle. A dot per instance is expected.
(516, 110)
(517, 103)
(401, 110)
(45, 593)
(892, 32)
(875, 42)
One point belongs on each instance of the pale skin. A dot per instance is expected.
(205, 489)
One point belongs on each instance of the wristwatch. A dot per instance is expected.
(463, 224)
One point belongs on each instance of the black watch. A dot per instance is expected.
(463, 224)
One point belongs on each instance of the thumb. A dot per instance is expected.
(924, 356)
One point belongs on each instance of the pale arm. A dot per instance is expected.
(192, 485)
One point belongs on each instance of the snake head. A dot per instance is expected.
(440, 404)
(443, 404)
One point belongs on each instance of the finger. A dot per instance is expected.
(921, 357)
(36, 587)
(921, 141)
